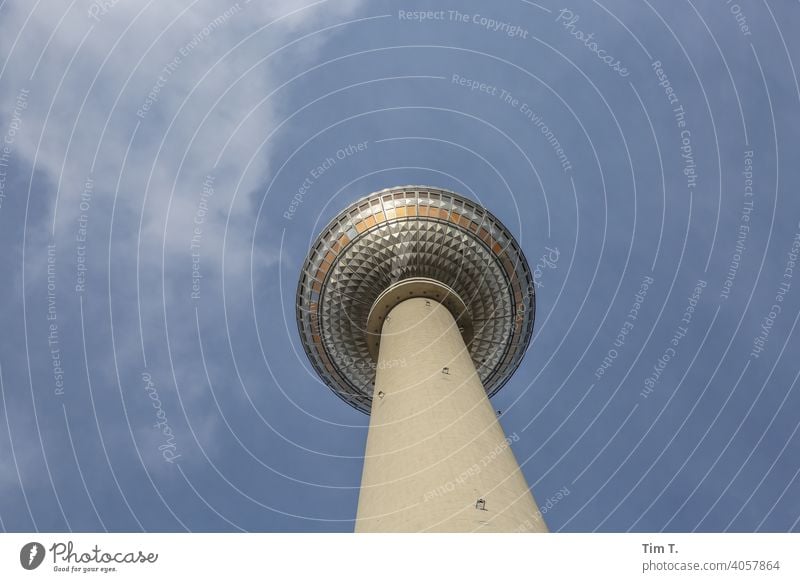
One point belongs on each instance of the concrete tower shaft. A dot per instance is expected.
(437, 458)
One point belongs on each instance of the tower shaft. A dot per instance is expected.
(437, 458)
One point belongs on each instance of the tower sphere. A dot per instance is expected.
(404, 242)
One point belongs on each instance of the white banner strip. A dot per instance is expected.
(389, 557)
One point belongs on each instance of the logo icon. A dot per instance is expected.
(31, 555)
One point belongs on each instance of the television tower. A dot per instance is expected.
(415, 305)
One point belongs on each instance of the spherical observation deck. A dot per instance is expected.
(412, 241)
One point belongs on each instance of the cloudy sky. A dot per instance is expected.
(152, 232)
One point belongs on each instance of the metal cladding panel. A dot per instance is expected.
(405, 232)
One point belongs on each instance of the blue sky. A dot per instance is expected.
(152, 231)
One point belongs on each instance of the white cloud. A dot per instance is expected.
(178, 54)
(87, 84)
